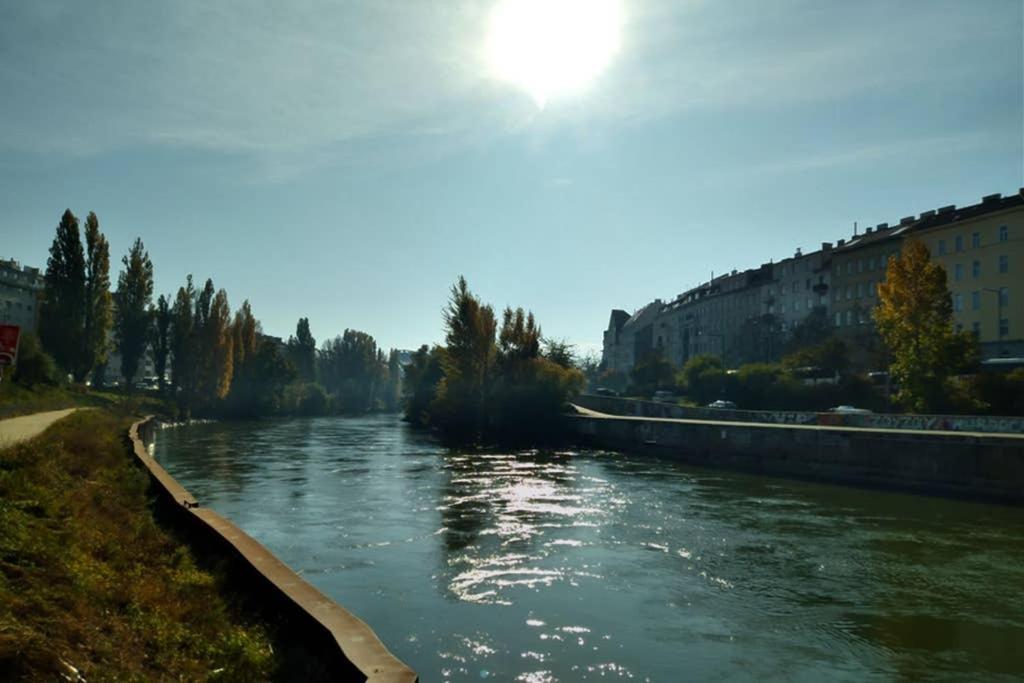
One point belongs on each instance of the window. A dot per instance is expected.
(849, 267)
(1004, 296)
(1004, 233)
(796, 305)
(839, 319)
(1004, 327)
(810, 304)
(861, 318)
(958, 272)
(976, 269)
(958, 302)
(836, 296)
(860, 290)
(808, 283)
(849, 317)
(958, 243)
(872, 263)
(849, 292)
(976, 328)
(796, 287)
(860, 265)
(975, 239)
(942, 247)
(782, 308)
(976, 300)
(1004, 264)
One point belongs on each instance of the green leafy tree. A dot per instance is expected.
(420, 381)
(830, 357)
(393, 398)
(561, 352)
(653, 372)
(183, 346)
(163, 319)
(351, 369)
(62, 313)
(703, 378)
(214, 345)
(302, 351)
(815, 329)
(134, 298)
(914, 316)
(98, 314)
(469, 356)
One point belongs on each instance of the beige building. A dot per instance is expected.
(982, 249)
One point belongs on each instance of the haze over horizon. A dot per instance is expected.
(347, 163)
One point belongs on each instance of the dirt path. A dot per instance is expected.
(17, 429)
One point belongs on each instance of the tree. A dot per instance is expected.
(134, 298)
(703, 378)
(915, 319)
(62, 314)
(469, 357)
(161, 343)
(351, 368)
(560, 352)
(419, 385)
(302, 351)
(392, 399)
(813, 330)
(183, 345)
(653, 372)
(98, 315)
(829, 357)
(214, 345)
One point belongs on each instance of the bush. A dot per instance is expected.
(35, 366)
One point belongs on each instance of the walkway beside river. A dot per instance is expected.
(17, 429)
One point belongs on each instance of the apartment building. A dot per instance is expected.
(21, 288)
(982, 249)
(746, 316)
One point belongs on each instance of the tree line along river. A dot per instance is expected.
(565, 566)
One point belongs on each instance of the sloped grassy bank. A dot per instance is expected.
(91, 582)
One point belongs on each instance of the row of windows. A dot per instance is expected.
(17, 304)
(1004, 327)
(865, 265)
(858, 291)
(976, 298)
(958, 240)
(958, 268)
(851, 317)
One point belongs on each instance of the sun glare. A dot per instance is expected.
(552, 48)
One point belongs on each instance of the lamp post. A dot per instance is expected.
(999, 312)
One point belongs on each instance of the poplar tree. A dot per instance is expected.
(214, 344)
(134, 298)
(98, 315)
(914, 316)
(182, 344)
(62, 313)
(162, 331)
(302, 351)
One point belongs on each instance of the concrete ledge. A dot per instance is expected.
(963, 465)
(350, 648)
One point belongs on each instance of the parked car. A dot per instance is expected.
(664, 397)
(722, 405)
(605, 391)
(849, 410)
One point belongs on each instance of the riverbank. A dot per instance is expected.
(91, 586)
(17, 400)
(972, 465)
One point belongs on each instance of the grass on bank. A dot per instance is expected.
(89, 580)
(17, 399)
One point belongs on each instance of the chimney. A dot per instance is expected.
(840, 243)
(989, 198)
(927, 214)
(947, 209)
(906, 220)
(868, 231)
(882, 226)
(826, 246)
(798, 253)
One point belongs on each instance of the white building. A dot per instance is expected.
(21, 288)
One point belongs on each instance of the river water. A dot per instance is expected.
(600, 566)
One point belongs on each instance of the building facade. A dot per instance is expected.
(748, 316)
(21, 290)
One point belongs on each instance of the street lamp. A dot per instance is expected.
(999, 311)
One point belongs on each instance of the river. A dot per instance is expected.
(574, 566)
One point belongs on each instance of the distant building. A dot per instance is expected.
(21, 290)
(747, 316)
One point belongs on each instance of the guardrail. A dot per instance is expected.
(949, 423)
(348, 646)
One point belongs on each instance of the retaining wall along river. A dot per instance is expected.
(953, 423)
(345, 647)
(979, 466)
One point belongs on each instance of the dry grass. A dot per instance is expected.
(89, 580)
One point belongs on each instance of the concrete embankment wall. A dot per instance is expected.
(344, 646)
(975, 466)
(952, 423)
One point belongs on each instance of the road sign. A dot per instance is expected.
(9, 337)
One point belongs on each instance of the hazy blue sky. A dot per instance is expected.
(346, 161)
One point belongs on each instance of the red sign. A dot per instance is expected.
(9, 336)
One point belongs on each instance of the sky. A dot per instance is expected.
(346, 161)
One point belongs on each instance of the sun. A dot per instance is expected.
(552, 48)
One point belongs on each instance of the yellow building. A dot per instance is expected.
(982, 250)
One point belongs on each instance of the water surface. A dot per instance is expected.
(601, 566)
